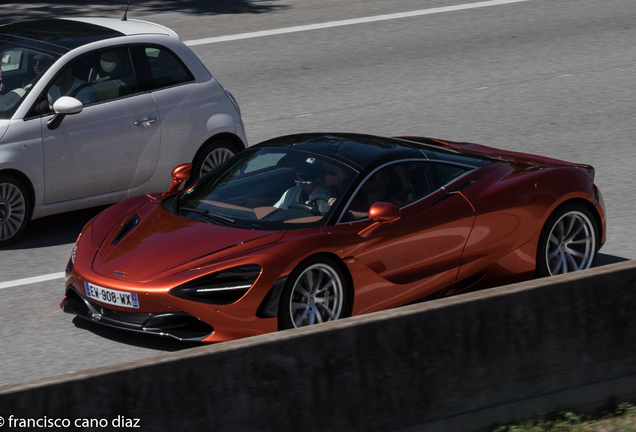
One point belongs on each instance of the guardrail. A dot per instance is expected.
(458, 364)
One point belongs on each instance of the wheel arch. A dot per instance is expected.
(598, 222)
(223, 136)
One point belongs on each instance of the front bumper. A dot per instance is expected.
(177, 325)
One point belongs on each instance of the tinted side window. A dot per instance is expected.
(400, 184)
(164, 68)
(111, 73)
(445, 173)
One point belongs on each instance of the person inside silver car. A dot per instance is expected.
(67, 84)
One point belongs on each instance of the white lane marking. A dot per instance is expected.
(347, 22)
(32, 280)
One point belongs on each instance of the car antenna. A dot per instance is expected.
(125, 18)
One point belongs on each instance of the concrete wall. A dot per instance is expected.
(456, 364)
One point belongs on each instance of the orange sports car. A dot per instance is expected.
(309, 228)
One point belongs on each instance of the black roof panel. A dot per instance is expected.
(61, 33)
(367, 151)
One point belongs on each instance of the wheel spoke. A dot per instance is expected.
(301, 290)
(575, 253)
(298, 322)
(12, 199)
(573, 265)
(312, 316)
(329, 312)
(569, 221)
(571, 237)
(584, 241)
(298, 306)
(216, 157)
(558, 262)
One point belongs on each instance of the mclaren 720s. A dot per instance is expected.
(309, 228)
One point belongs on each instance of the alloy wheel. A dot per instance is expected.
(317, 296)
(214, 158)
(571, 244)
(13, 210)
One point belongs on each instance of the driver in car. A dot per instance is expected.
(310, 188)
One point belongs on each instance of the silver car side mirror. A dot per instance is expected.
(62, 107)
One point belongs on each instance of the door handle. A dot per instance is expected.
(145, 122)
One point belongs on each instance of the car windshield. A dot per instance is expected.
(268, 188)
(20, 69)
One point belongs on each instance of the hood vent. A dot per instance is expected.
(128, 226)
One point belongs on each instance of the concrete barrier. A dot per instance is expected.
(457, 364)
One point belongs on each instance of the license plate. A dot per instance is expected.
(111, 296)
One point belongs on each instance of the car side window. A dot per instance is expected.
(111, 73)
(445, 173)
(164, 68)
(400, 184)
(94, 77)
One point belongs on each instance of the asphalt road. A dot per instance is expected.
(545, 77)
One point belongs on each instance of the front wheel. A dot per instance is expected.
(14, 209)
(210, 156)
(315, 292)
(568, 241)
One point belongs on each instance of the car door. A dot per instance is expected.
(421, 252)
(113, 144)
(184, 106)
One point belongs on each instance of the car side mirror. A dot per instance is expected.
(180, 174)
(381, 213)
(62, 107)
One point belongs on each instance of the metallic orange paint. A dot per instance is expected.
(480, 230)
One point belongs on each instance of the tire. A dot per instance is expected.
(569, 241)
(210, 156)
(304, 302)
(15, 209)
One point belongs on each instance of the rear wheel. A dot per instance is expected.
(315, 292)
(568, 242)
(210, 156)
(14, 209)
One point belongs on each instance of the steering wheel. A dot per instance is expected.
(311, 207)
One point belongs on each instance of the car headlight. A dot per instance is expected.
(220, 288)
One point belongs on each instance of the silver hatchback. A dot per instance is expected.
(94, 111)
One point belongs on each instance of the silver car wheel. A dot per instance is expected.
(13, 210)
(571, 244)
(215, 158)
(317, 296)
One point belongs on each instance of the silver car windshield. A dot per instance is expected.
(20, 69)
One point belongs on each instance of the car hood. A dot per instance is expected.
(159, 243)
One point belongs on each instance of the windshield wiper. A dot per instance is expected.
(206, 216)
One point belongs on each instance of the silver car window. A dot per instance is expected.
(20, 69)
